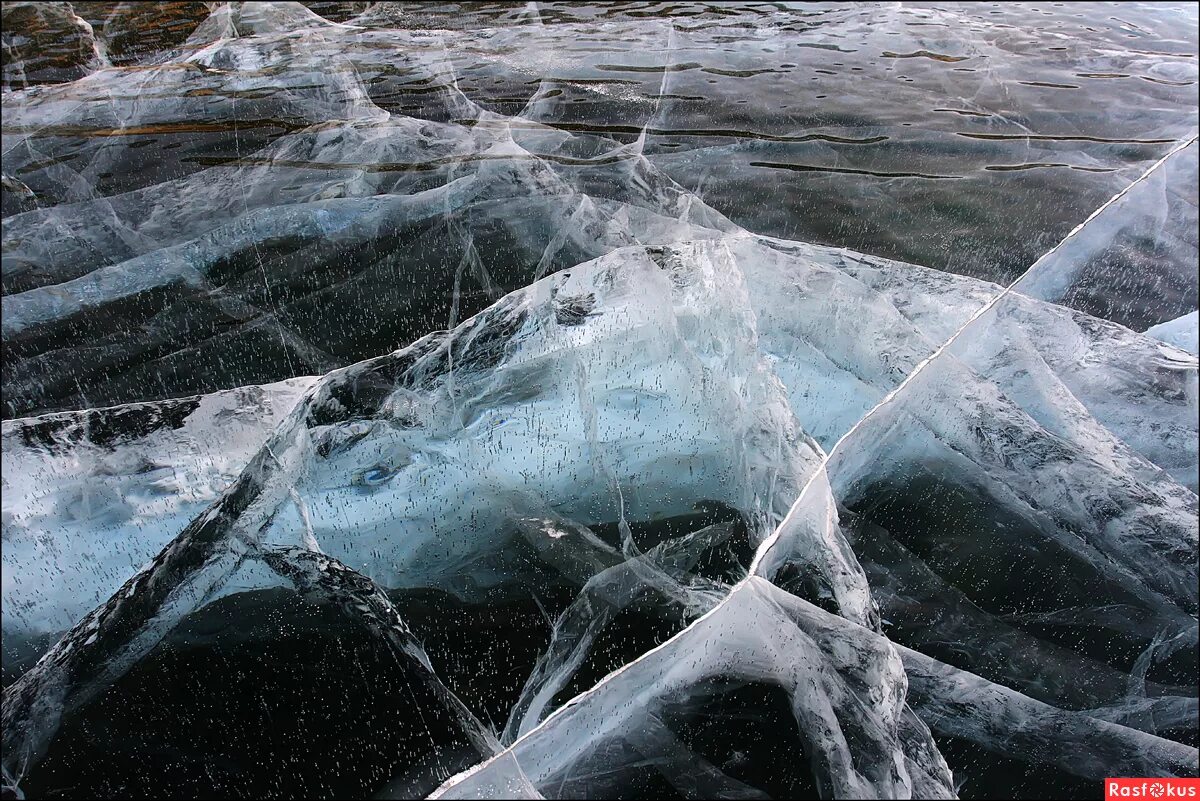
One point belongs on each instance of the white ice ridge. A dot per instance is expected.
(845, 684)
(614, 298)
(841, 329)
(657, 364)
(1182, 332)
(820, 478)
(1180, 756)
(90, 496)
(827, 323)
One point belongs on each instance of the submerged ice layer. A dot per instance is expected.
(265, 194)
(434, 467)
(570, 402)
(651, 479)
(90, 497)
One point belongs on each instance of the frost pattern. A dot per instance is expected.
(651, 420)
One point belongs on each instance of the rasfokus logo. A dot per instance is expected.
(1152, 788)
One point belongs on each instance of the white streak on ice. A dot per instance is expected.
(769, 543)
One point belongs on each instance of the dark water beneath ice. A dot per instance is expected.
(197, 198)
(965, 137)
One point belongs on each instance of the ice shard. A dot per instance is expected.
(558, 400)
(91, 496)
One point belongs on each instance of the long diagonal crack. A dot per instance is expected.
(767, 545)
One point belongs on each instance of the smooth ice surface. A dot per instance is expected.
(1182, 332)
(631, 400)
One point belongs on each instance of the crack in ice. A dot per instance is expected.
(765, 547)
